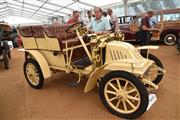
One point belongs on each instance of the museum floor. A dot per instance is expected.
(59, 100)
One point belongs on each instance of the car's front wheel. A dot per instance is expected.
(5, 59)
(33, 73)
(123, 94)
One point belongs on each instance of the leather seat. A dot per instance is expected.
(70, 42)
(31, 31)
(73, 42)
(58, 32)
(38, 31)
(26, 31)
(63, 37)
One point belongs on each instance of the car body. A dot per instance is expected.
(5, 48)
(9, 33)
(178, 44)
(6, 31)
(167, 28)
(104, 59)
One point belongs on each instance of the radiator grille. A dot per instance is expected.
(117, 55)
(124, 54)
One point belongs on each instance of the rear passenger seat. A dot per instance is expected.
(39, 36)
(27, 37)
(26, 31)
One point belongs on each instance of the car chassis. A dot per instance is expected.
(125, 77)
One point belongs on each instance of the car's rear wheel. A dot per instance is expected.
(170, 39)
(123, 94)
(9, 54)
(5, 59)
(33, 73)
(178, 45)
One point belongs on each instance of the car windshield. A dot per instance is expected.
(129, 19)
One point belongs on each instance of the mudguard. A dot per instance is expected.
(41, 61)
(100, 72)
(147, 47)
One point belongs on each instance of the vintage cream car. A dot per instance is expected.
(125, 78)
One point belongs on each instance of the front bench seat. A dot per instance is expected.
(63, 37)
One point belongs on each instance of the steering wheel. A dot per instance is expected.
(73, 27)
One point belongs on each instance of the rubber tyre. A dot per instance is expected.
(5, 59)
(41, 78)
(9, 54)
(158, 79)
(178, 45)
(136, 82)
(167, 42)
(178, 48)
(7, 47)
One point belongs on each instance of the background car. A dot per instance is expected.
(178, 44)
(5, 47)
(168, 24)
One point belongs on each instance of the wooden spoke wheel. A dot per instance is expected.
(33, 73)
(123, 94)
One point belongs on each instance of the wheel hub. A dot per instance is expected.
(170, 39)
(121, 95)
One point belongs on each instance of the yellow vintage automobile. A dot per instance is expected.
(125, 78)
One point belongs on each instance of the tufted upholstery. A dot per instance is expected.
(58, 32)
(63, 37)
(38, 31)
(26, 31)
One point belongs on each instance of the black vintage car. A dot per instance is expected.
(5, 36)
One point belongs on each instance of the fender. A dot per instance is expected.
(129, 65)
(100, 72)
(147, 47)
(91, 83)
(124, 65)
(41, 61)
